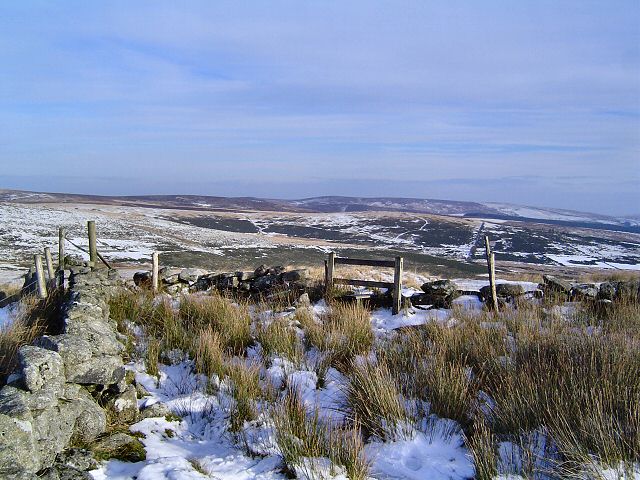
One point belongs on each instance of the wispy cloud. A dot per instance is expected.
(250, 93)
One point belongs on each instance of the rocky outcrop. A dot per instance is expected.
(262, 281)
(439, 294)
(47, 401)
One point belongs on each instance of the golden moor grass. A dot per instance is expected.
(209, 353)
(280, 338)
(245, 390)
(30, 322)
(374, 400)
(343, 332)
(301, 435)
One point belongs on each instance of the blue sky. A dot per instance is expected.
(530, 102)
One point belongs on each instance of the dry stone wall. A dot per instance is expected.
(52, 399)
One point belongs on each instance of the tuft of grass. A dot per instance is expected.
(245, 390)
(32, 319)
(301, 437)
(374, 401)
(231, 321)
(209, 355)
(342, 333)
(482, 444)
(152, 356)
(280, 338)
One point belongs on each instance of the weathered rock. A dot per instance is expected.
(141, 391)
(439, 294)
(608, 291)
(245, 276)
(261, 270)
(228, 282)
(41, 368)
(171, 279)
(205, 282)
(120, 446)
(509, 290)
(303, 300)
(125, 406)
(157, 409)
(190, 275)
(264, 282)
(295, 275)
(440, 288)
(556, 284)
(142, 279)
(584, 291)
(100, 370)
(70, 473)
(18, 448)
(276, 270)
(77, 458)
(92, 419)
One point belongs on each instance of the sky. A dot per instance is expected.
(526, 102)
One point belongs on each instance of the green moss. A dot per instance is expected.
(172, 417)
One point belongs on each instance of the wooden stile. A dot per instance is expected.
(395, 286)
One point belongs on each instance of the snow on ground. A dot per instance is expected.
(474, 285)
(7, 315)
(200, 441)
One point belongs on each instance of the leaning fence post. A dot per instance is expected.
(42, 287)
(50, 272)
(492, 273)
(49, 261)
(154, 271)
(397, 286)
(93, 249)
(331, 262)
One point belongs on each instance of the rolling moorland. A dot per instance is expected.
(286, 379)
(442, 238)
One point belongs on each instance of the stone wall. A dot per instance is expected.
(52, 399)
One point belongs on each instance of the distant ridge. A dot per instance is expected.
(337, 204)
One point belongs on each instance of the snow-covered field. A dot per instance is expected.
(198, 444)
(128, 235)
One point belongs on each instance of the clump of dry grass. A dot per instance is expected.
(280, 338)
(302, 437)
(209, 354)
(374, 401)
(32, 319)
(231, 320)
(342, 333)
(245, 390)
(152, 356)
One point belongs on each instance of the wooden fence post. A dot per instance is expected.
(61, 248)
(93, 249)
(397, 286)
(331, 263)
(61, 264)
(492, 273)
(51, 276)
(154, 271)
(42, 287)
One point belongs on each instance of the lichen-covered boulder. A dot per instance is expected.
(41, 368)
(555, 284)
(18, 448)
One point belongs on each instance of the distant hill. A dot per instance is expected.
(336, 204)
